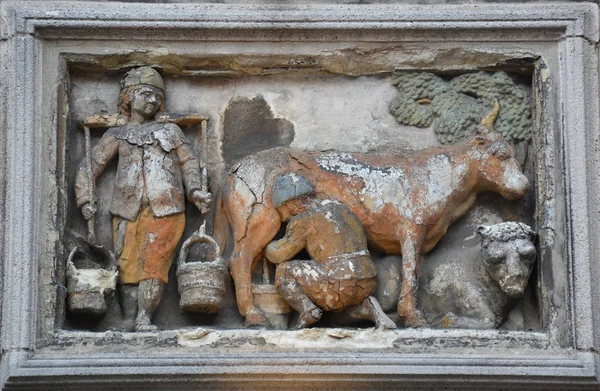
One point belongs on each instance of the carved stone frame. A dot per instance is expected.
(39, 40)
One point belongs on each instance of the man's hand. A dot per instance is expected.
(88, 210)
(272, 252)
(202, 200)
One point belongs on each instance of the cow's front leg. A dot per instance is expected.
(260, 228)
(411, 238)
(241, 267)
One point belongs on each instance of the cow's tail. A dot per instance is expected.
(221, 223)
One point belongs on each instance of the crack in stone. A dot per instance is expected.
(256, 202)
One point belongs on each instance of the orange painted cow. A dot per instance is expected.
(405, 201)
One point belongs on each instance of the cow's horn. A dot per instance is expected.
(488, 120)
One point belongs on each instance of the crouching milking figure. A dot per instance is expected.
(155, 164)
(341, 274)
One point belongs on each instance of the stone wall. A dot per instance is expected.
(311, 77)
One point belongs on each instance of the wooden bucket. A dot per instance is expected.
(201, 284)
(267, 298)
(90, 291)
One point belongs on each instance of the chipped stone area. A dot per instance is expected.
(312, 339)
(249, 127)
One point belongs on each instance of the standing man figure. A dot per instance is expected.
(155, 164)
(341, 274)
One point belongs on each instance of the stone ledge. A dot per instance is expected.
(321, 339)
(27, 18)
(299, 370)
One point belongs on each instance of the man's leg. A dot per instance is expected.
(293, 293)
(149, 295)
(129, 305)
(157, 238)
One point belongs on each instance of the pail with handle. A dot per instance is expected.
(267, 298)
(90, 290)
(201, 283)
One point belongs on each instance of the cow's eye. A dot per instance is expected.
(495, 259)
(502, 155)
(527, 254)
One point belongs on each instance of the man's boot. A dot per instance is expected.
(129, 305)
(149, 295)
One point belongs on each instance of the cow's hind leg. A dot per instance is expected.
(412, 257)
(252, 235)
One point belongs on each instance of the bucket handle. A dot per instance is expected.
(111, 265)
(198, 237)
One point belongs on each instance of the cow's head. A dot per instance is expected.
(495, 163)
(508, 253)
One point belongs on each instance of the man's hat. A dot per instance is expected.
(143, 76)
(288, 187)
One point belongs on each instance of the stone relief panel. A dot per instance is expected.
(331, 201)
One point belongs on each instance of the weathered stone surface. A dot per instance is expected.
(358, 2)
(479, 289)
(40, 45)
(389, 283)
(249, 127)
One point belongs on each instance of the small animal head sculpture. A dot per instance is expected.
(498, 169)
(508, 253)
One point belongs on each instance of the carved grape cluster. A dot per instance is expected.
(461, 103)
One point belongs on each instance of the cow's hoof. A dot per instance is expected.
(448, 321)
(127, 325)
(414, 320)
(256, 317)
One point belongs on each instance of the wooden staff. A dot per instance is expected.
(90, 174)
(204, 136)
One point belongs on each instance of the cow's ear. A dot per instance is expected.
(482, 231)
(478, 140)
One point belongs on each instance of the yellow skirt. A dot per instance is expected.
(148, 246)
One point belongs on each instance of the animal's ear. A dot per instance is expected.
(482, 231)
(499, 150)
(478, 140)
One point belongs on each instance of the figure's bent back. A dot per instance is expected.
(332, 230)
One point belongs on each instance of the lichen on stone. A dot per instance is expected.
(460, 104)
